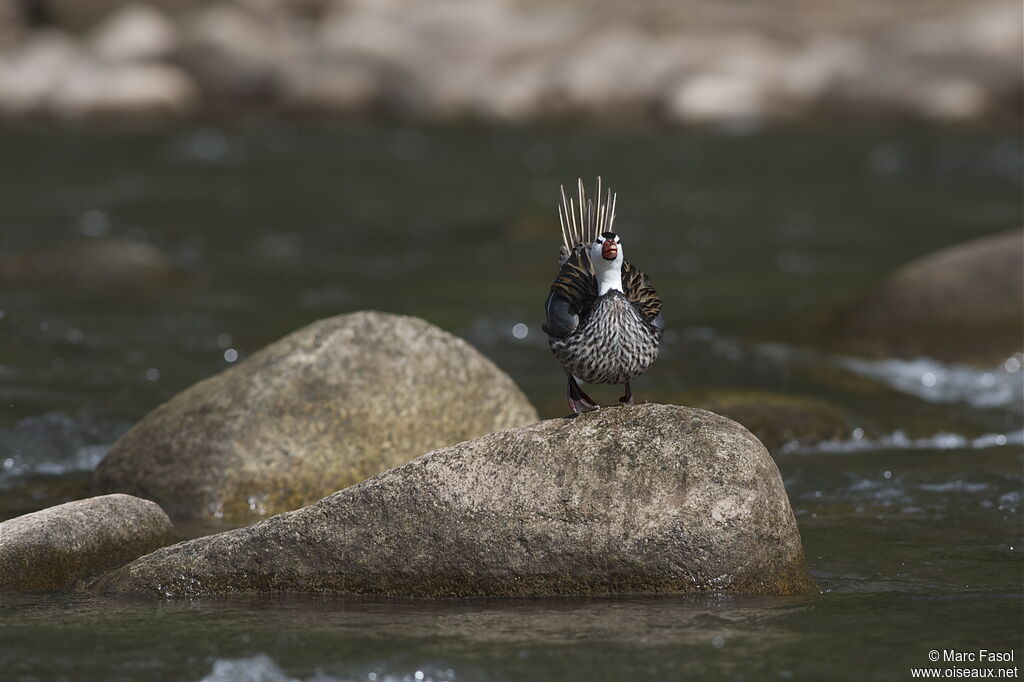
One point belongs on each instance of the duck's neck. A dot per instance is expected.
(609, 277)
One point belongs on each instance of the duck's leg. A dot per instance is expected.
(628, 398)
(578, 400)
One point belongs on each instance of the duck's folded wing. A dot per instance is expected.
(572, 293)
(638, 289)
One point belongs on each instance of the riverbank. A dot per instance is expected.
(510, 61)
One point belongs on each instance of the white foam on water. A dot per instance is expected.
(899, 440)
(263, 668)
(52, 444)
(937, 382)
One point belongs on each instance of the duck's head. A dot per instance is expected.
(606, 248)
(606, 255)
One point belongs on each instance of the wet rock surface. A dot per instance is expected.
(508, 60)
(631, 500)
(55, 548)
(323, 408)
(964, 303)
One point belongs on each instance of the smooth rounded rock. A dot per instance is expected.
(626, 500)
(964, 303)
(323, 408)
(141, 91)
(136, 33)
(54, 548)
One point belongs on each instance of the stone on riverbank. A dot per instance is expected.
(323, 408)
(963, 303)
(626, 500)
(739, 64)
(54, 548)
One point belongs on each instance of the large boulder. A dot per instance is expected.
(323, 408)
(54, 548)
(964, 303)
(625, 500)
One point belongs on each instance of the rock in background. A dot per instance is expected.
(626, 500)
(964, 303)
(54, 548)
(515, 61)
(323, 408)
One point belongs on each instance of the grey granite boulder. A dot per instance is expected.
(626, 500)
(54, 548)
(323, 408)
(964, 303)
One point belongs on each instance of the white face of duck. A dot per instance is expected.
(606, 255)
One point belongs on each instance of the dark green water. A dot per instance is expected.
(912, 522)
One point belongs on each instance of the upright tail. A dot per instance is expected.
(581, 220)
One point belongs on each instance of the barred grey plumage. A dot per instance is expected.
(604, 320)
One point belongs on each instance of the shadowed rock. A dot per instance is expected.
(776, 419)
(54, 548)
(962, 303)
(630, 500)
(323, 408)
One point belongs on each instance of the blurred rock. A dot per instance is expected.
(55, 548)
(715, 97)
(124, 91)
(30, 73)
(81, 15)
(646, 499)
(90, 264)
(323, 408)
(13, 24)
(504, 60)
(776, 419)
(236, 54)
(964, 303)
(135, 33)
(335, 86)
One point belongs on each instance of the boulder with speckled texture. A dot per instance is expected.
(648, 499)
(55, 548)
(323, 408)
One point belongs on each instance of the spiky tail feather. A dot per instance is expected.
(581, 220)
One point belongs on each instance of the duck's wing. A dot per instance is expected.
(572, 294)
(638, 289)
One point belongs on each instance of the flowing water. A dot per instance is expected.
(911, 517)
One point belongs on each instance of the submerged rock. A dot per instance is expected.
(321, 409)
(964, 303)
(54, 548)
(90, 264)
(631, 500)
(776, 419)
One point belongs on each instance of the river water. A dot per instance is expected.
(911, 516)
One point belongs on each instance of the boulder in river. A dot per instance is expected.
(54, 548)
(626, 500)
(321, 409)
(964, 303)
(777, 419)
